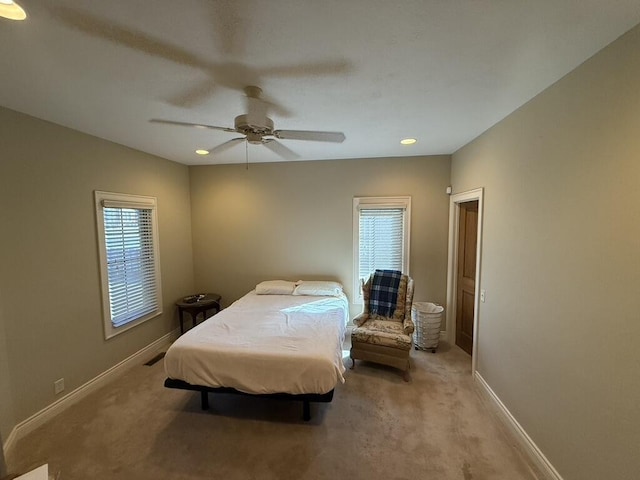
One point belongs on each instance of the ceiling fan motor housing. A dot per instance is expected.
(253, 132)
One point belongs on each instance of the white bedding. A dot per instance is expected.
(265, 344)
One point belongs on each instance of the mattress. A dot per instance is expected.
(266, 344)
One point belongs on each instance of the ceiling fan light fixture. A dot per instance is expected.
(202, 151)
(254, 138)
(11, 10)
(408, 141)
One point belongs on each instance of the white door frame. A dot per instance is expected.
(452, 269)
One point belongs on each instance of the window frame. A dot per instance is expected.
(123, 200)
(363, 203)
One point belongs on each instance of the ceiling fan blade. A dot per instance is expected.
(256, 107)
(186, 124)
(335, 137)
(279, 149)
(226, 145)
(230, 27)
(329, 67)
(97, 27)
(194, 95)
(275, 107)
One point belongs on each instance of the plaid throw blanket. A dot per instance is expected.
(384, 292)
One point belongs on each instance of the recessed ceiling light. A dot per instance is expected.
(11, 10)
(408, 141)
(202, 152)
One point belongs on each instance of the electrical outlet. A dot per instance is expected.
(483, 295)
(58, 386)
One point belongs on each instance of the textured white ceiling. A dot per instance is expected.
(377, 70)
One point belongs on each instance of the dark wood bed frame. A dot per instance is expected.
(305, 398)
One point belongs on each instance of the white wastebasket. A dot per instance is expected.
(427, 318)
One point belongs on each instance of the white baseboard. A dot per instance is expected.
(524, 440)
(10, 441)
(50, 411)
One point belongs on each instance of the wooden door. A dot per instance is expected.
(466, 275)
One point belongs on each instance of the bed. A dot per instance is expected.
(283, 342)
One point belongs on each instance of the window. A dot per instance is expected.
(380, 236)
(129, 260)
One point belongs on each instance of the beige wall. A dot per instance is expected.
(294, 220)
(49, 255)
(6, 402)
(273, 220)
(558, 339)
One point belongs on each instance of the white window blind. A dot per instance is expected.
(381, 240)
(129, 260)
(381, 228)
(130, 263)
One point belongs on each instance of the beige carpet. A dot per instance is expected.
(377, 427)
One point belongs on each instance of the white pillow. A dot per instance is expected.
(318, 288)
(275, 287)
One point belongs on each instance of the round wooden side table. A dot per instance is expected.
(197, 304)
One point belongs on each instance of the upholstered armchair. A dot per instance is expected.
(385, 339)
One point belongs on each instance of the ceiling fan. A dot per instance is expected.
(258, 129)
